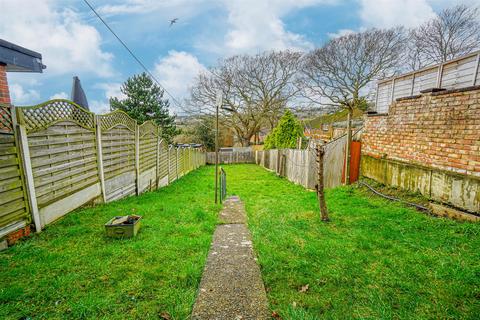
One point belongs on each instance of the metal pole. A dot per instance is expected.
(348, 146)
(219, 102)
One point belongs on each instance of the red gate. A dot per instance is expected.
(355, 151)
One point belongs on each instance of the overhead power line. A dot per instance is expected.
(133, 54)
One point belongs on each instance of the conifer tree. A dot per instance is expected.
(144, 101)
(285, 134)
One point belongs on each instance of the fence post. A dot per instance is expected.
(22, 141)
(158, 158)
(278, 162)
(320, 185)
(169, 163)
(439, 76)
(98, 138)
(392, 93)
(475, 73)
(176, 161)
(137, 158)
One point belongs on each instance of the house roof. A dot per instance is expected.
(20, 59)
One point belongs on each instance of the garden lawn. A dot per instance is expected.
(374, 260)
(73, 271)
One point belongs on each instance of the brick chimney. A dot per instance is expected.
(4, 92)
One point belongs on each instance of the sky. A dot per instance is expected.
(73, 42)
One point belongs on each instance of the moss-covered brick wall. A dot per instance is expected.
(461, 191)
(439, 130)
(430, 144)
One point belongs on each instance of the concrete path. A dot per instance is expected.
(231, 286)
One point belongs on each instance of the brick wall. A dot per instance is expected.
(4, 92)
(439, 130)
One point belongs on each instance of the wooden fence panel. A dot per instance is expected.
(297, 166)
(334, 160)
(458, 73)
(14, 209)
(118, 154)
(63, 157)
(183, 162)
(172, 172)
(300, 166)
(163, 164)
(148, 140)
(231, 157)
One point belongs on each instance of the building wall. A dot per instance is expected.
(430, 135)
(441, 130)
(4, 93)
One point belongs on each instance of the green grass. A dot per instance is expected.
(71, 270)
(374, 260)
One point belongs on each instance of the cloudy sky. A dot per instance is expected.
(74, 42)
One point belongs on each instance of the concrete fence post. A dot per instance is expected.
(22, 141)
(137, 158)
(98, 141)
(157, 178)
(176, 161)
(475, 72)
(169, 163)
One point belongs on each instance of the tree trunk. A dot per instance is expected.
(348, 146)
(320, 186)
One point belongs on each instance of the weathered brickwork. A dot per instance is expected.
(439, 130)
(4, 92)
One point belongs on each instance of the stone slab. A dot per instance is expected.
(231, 286)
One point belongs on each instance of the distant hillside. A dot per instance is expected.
(333, 117)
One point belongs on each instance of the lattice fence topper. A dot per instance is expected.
(116, 118)
(148, 127)
(53, 111)
(6, 122)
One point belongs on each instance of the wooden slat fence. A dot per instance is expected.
(117, 132)
(300, 167)
(59, 156)
(14, 207)
(230, 157)
(454, 74)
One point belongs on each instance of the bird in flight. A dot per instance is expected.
(173, 21)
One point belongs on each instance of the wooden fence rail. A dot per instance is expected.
(57, 156)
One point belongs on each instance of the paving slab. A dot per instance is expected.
(233, 211)
(231, 286)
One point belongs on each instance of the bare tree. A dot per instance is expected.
(414, 59)
(338, 73)
(255, 88)
(452, 33)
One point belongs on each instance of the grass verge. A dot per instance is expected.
(375, 260)
(72, 271)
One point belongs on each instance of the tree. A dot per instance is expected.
(144, 101)
(452, 33)
(203, 132)
(338, 73)
(256, 90)
(285, 134)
